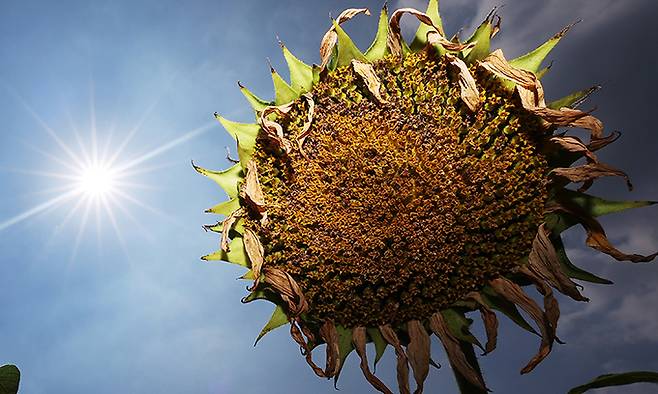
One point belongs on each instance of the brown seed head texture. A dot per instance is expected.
(399, 207)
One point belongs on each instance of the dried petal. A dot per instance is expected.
(589, 172)
(600, 143)
(227, 225)
(455, 354)
(297, 336)
(436, 38)
(367, 74)
(489, 319)
(529, 88)
(574, 145)
(544, 263)
(513, 293)
(255, 251)
(551, 306)
(403, 368)
(251, 190)
(469, 90)
(307, 124)
(395, 40)
(329, 334)
(418, 352)
(288, 289)
(330, 38)
(569, 117)
(272, 129)
(359, 341)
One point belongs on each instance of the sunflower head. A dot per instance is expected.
(384, 195)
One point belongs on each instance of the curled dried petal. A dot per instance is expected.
(489, 319)
(469, 90)
(227, 225)
(569, 117)
(418, 352)
(574, 145)
(288, 289)
(307, 124)
(251, 190)
(330, 38)
(435, 36)
(455, 354)
(329, 334)
(297, 336)
(255, 252)
(528, 85)
(402, 367)
(544, 263)
(359, 341)
(551, 306)
(367, 74)
(274, 130)
(513, 293)
(589, 172)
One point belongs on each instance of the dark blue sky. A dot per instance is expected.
(85, 310)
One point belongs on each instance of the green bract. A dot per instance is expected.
(384, 195)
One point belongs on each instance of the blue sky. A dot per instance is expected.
(87, 310)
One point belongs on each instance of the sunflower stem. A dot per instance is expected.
(466, 387)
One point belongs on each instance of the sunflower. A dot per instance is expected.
(384, 195)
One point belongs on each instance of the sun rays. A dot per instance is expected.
(95, 180)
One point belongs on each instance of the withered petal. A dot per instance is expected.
(330, 38)
(359, 341)
(418, 352)
(469, 89)
(402, 367)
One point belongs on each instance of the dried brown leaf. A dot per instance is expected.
(469, 89)
(453, 349)
(513, 293)
(251, 190)
(227, 225)
(543, 262)
(367, 74)
(359, 341)
(590, 172)
(418, 352)
(489, 319)
(330, 38)
(402, 367)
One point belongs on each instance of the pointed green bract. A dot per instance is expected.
(459, 326)
(283, 93)
(236, 255)
(493, 300)
(482, 39)
(245, 133)
(380, 343)
(345, 347)
(541, 73)
(379, 48)
(301, 74)
(532, 61)
(420, 39)
(256, 102)
(570, 269)
(245, 153)
(617, 379)
(10, 378)
(225, 208)
(347, 50)
(228, 179)
(278, 319)
(573, 98)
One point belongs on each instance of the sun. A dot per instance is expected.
(99, 180)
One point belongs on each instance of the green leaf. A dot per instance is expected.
(301, 74)
(228, 179)
(347, 50)
(532, 61)
(256, 103)
(379, 48)
(617, 379)
(283, 93)
(345, 347)
(493, 300)
(573, 99)
(10, 378)
(236, 255)
(420, 39)
(278, 319)
(225, 208)
(459, 326)
(380, 343)
(570, 269)
(482, 39)
(316, 74)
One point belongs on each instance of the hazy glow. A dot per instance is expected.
(97, 181)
